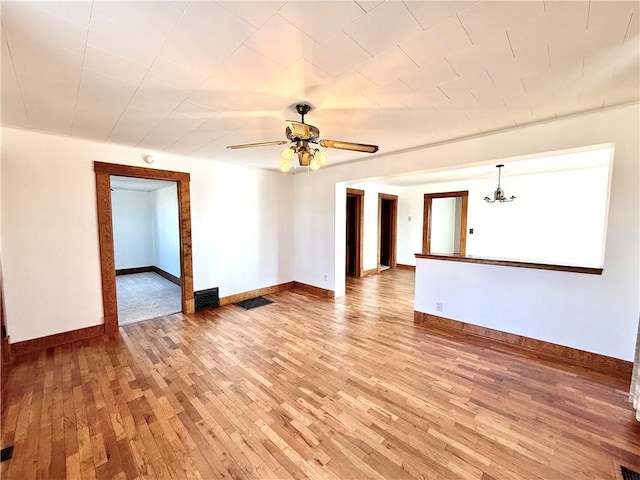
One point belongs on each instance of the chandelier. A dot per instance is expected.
(307, 156)
(498, 195)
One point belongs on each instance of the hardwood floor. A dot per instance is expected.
(310, 387)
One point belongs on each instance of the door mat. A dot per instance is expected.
(629, 474)
(253, 303)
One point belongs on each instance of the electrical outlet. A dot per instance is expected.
(325, 277)
(438, 306)
(409, 217)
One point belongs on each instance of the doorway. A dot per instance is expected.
(103, 172)
(355, 232)
(387, 230)
(146, 239)
(444, 228)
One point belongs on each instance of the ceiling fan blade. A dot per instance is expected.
(261, 144)
(356, 147)
(299, 130)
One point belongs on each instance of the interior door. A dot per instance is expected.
(354, 232)
(387, 230)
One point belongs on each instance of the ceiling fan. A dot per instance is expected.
(303, 136)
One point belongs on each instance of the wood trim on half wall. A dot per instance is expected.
(105, 232)
(594, 361)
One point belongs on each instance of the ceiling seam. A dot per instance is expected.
(451, 66)
(408, 56)
(357, 43)
(147, 73)
(218, 68)
(465, 29)
(403, 83)
(84, 56)
(448, 97)
(474, 136)
(414, 17)
(15, 73)
(628, 27)
(263, 23)
(361, 7)
(510, 45)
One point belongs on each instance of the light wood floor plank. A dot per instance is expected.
(310, 387)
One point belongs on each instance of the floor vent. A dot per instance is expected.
(207, 299)
(6, 453)
(628, 474)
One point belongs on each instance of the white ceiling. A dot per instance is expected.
(138, 184)
(192, 77)
(590, 157)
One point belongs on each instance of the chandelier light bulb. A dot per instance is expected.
(314, 164)
(322, 158)
(287, 155)
(285, 166)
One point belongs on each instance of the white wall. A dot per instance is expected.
(410, 218)
(241, 228)
(558, 217)
(609, 328)
(132, 228)
(166, 231)
(146, 229)
(558, 307)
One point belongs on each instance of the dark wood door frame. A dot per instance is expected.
(394, 227)
(105, 232)
(359, 196)
(426, 219)
(5, 354)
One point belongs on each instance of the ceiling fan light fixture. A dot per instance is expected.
(285, 166)
(322, 157)
(304, 156)
(303, 138)
(288, 154)
(314, 164)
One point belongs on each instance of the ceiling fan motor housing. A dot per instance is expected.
(313, 135)
(303, 109)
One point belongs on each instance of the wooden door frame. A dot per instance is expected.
(103, 173)
(359, 195)
(426, 219)
(394, 228)
(5, 354)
